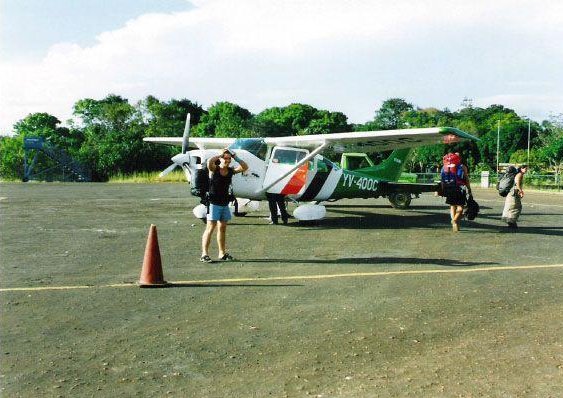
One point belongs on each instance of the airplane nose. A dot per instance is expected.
(181, 158)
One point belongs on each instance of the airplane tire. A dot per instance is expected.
(400, 200)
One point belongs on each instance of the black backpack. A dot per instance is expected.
(472, 208)
(200, 184)
(506, 181)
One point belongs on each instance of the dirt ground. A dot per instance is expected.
(370, 302)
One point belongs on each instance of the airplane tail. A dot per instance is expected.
(390, 169)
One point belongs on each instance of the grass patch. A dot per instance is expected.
(147, 177)
(10, 179)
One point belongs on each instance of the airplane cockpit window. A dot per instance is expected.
(355, 163)
(255, 146)
(288, 156)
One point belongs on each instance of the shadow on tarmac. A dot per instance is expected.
(367, 220)
(411, 207)
(377, 260)
(414, 218)
(553, 231)
(172, 284)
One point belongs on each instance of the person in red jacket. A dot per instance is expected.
(455, 186)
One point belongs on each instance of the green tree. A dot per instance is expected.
(225, 119)
(521, 157)
(113, 131)
(426, 159)
(390, 115)
(11, 157)
(298, 119)
(551, 139)
(47, 127)
(281, 121)
(326, 122)
(167, 119)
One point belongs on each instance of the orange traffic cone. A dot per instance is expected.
(151, 274)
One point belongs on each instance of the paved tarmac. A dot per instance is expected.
(371, 301)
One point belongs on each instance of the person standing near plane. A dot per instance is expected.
(455, 187)
(513, 201)
(219, 214)
(275, 201)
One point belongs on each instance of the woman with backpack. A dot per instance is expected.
(455, 186)
(219, 214)
(513, 201)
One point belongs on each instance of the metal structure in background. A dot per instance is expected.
(71, 169)
(548, 182)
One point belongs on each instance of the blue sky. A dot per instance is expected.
(29, 27)
(340, 55)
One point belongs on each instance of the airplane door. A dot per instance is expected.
(281, 161)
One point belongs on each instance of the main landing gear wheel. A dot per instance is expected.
(400, 200)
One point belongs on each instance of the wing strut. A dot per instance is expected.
(299, 164)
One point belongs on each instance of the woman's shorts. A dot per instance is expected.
(218, 213)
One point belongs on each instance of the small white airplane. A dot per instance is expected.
(293, 166)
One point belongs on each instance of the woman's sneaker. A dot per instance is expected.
(205, 259)
(227, 257)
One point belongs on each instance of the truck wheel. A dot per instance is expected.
(400, 200)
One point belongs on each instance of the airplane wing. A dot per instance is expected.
(375, 141)
(195, 142)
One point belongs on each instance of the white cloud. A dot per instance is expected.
(338, 54)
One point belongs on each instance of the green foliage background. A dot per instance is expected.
(107, 135)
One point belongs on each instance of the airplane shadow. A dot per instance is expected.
(331, 206)
(377, 260)
(411, 207)
(368, 220)
(420, 219)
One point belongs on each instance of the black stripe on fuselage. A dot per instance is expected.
(315, 186)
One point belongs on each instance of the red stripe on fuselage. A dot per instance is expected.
(296, 182)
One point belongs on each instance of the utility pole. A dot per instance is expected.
(529, 123)
(498, 141)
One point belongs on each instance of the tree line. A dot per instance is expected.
(107, 135)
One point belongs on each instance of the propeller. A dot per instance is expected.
(167, 170)
(186, 136)
(185, 146)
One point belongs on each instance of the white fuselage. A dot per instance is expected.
(279, 172)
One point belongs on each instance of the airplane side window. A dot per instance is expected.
(299, 156)
(284, 157)
(287, 156)
(357, 163)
